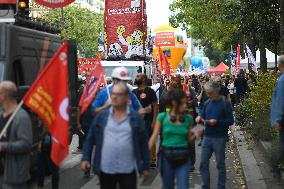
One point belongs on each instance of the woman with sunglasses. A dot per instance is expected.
(175, 129)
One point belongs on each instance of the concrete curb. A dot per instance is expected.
(253, 176)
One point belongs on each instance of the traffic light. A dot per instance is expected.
(23, 8)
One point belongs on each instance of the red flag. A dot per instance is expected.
(93, 83)
(238, 64)
(48, 97)
(164, 62)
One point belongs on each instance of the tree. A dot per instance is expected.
(79, 24)
(222, 23)
(212, 22)
(282, 25)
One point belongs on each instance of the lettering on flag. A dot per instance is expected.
(252, 59)
(48, 97)
(94, 80)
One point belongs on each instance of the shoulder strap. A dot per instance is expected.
(224, 104)
(161, 133)
(158, 89)
(205, 104)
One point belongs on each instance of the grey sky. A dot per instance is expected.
(158, 12)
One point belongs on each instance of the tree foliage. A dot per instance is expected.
(212, 22)
(79, 24)
(222, 23)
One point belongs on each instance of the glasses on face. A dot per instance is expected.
(117, 94)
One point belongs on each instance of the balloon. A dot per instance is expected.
(172, 42)
(196, 62)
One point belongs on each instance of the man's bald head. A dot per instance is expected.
(9, 90)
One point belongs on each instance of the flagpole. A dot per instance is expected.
(4, 130)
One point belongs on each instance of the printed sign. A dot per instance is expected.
(165, 39)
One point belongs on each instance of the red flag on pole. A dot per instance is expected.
(238, 64)
(164, 62)
(92, 85)
(48, 97)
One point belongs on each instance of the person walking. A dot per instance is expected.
(202, 98)
(174, 152)
(241, 87)
(148, 99)
(217, 115)
(102, 102)
(16, 147)
(45, 161)
(121, 143)
(277, 106)
(232, 90)
(192, 103)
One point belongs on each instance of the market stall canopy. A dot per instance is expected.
(221, 68)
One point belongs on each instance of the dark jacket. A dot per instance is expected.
(96, 133)
(17, 149)
(241, 85)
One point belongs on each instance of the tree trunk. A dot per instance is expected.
(282, 26)
(263, 60)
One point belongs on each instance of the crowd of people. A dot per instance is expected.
(128, 130)
(162, 135)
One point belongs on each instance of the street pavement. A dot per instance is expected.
(71, 177)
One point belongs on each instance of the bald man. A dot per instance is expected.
(16, 146)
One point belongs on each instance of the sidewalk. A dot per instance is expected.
(257, 171)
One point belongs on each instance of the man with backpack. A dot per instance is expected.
(217, 116)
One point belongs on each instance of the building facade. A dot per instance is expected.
(96, 6)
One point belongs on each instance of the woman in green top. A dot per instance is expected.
(175, 129)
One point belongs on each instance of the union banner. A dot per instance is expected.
(125, 27)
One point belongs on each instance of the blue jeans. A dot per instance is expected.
(169, 173)
(218, 146)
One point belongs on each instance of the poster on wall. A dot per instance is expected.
(125, 28)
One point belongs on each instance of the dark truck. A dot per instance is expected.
(23, 53)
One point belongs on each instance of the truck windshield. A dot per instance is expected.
(132, 71)
(1, 71)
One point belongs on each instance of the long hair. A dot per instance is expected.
(174, 96)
